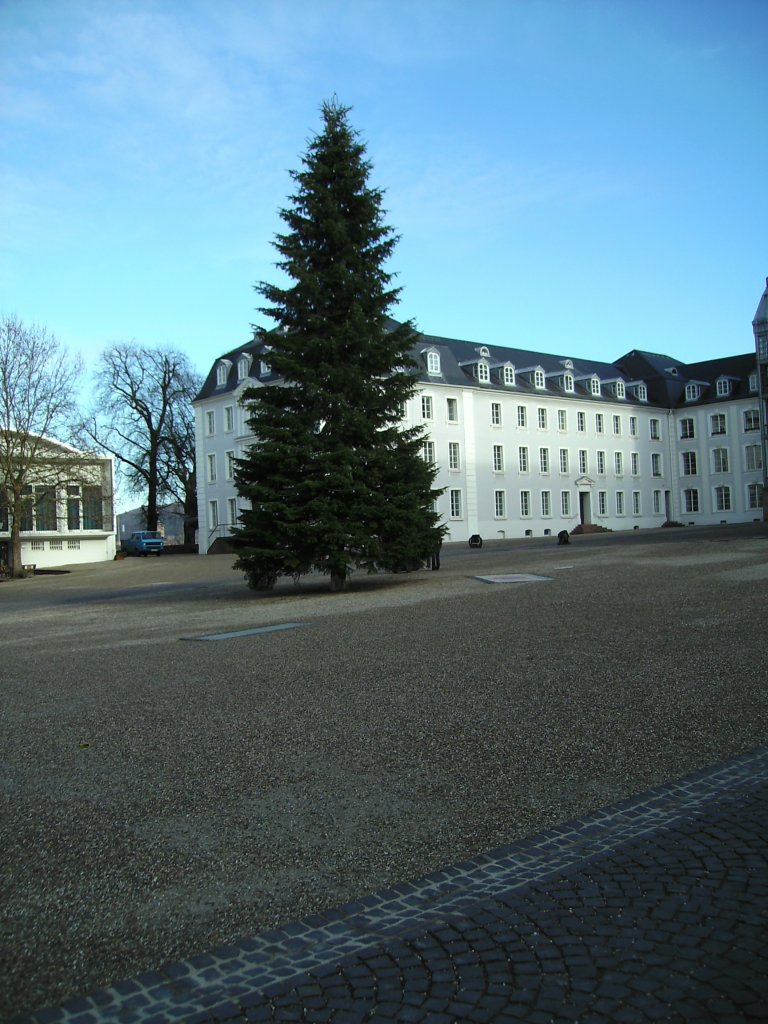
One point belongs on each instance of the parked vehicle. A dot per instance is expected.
(144, 542)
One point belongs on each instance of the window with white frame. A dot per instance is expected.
(691, 499)
(455, 497)
(454, 455)
(222, 372)
(720, 460)
(583, 460)
(754, 496)
(483, 372)
(641, 391)
(229, 464)
(722, 498)
(522, 416)
(753, 381)
(498, 458)
(689, 463)
(542, 414)
(426, 407)
(751, 420)
(617, 424)
(687, 429)
(602, 503)
(655, 464)
(229, 419)
(210, 423)
(538, 379)
(433, 362)
(232, 511)
(657, 503)
(568, 383)
(565, 503)
(544, 460)
(211, 468)
(717, 424)
(452, 410)
(654, 429)
(546, 503)
(635, 503)
(564, 460)
(634, 463)
(509, 376)
(581, 422)
(594, 386)
(264, 368)
(600, 463)
(691, 392)
(618, 389)
(562, 419)
(213, 514)
(525, 504)
(243, 366)
(754, 457)
(428, 451)
(723, 387)
(496, 414)
(619, 503)
(599, 423)
(633, 426)
(500, 504)
(618, 463)
(522, 458)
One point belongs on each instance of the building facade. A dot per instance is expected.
(760, 328)
(528, 444)
(68, 515)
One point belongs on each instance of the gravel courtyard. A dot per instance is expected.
(162, 795)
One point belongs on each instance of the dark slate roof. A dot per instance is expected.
(664, 376)
(761, 314)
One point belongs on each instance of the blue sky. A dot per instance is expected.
(581, 177)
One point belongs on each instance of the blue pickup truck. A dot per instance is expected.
(144, 542)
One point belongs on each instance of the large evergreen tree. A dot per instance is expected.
(333, 480)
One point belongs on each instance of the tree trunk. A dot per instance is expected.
(338, 581)
(16, 566)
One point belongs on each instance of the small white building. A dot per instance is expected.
(530, 443)
(68, 512)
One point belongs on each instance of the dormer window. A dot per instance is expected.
(433, 362)
(568, 364)
(483, 372)
(538, 379)
(594, 386)
(222, 372)
(484, 352)
(243, 366)
(508, 375)
(753, 381)
(264, 368)
(618, 389)
(641, 392)
(567, 382)
(691, 392)
(723, 387)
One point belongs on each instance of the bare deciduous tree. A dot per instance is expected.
(38, 394)
(142, 414)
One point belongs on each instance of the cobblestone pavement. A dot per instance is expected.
(655, 909)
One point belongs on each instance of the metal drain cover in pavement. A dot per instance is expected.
(514, 577)
(248, 632)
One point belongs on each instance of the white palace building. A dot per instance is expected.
(528, 444)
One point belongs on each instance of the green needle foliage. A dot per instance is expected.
(333, 479)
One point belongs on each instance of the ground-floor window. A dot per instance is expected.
(635, 503)
(455, 504)
(565, 502)
(213, 514)
(500, 504)
(755, 496)
(525, 503)
(546, 503)
(691, 499)
(723, 498)
(619, 503)
(602, 503)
